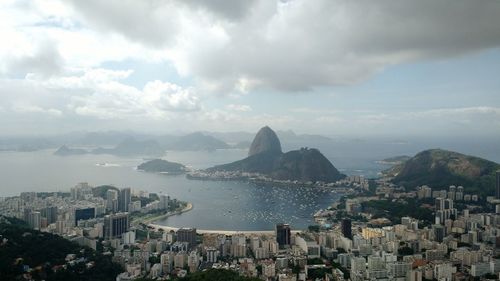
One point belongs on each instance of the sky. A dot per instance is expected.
(332, 67)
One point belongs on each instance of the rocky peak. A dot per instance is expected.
(266, 140)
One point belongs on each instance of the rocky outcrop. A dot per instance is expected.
(265, 157)
(267, 141)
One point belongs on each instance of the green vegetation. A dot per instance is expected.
(44, 195)
(318, 273)
(42, 256)
(405, 251)
(395, 210)
(217, 274)
(314, 228)
(100, 191)
(162, 166)
(439, 168)
(315, 261)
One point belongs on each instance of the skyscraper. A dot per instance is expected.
(187, 235)
(497, 187)
(125, 198)
(115, 225)
(346, 228)
(283, 235)
(35, 220)
(50, 213)
(112, 200)
(438, 232)
(84, 214)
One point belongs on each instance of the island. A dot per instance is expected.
(162, 166)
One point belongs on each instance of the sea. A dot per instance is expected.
(218, 205)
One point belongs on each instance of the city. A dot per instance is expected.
(249, 140)
(349, 242)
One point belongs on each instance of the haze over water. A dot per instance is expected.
(217, 205)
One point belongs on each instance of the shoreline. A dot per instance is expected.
(226, 232)
(149, 221)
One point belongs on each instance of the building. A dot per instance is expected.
(309, 246)
(212, 254)
(50, 213)
(84, 214)
(164, 202)
(112, 200)
(438, 232)
(35, 220)
(115, 225)
(283, 235)
(187, 235)
(125, 199)
(347, 228)
(497, 186)
(480, 269)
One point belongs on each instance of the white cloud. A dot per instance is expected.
(26, 108)
(298, 44)
(106, 97)
(99, 93)
(239, 46)
(239, 107)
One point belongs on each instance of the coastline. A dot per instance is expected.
(148, 221)
(225, 232)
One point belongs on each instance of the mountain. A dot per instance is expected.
(266, 140)
(305, 164)
(132, 146)
(102, 190)
(441, 168)
(65, 151)
(162, 166)
(266, 157)
(108, 137)
(197, 141)
(28, 254)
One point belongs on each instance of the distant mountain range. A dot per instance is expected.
(440, 168)
(128, 147)
(196, 141)
(265, 157)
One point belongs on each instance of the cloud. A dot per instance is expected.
(239, 107)
(45, 61)
(98, 93)
(298, 45)
(26, 108)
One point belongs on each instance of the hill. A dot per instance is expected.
(162, 166)
(101, 191)
(133, 147)
(65, 151)
(41, 256)
(266, 157)
(197, 141)
(441, 168)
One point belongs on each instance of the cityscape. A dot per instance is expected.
(249, 140)
(458, 240)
